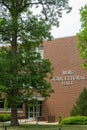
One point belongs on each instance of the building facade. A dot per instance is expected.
(68, 81)
(69, 78)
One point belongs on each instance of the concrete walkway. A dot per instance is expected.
(27, 121)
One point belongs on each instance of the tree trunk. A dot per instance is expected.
(14, 115)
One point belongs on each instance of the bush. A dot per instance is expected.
(75, 120)
(59, 119)
(5, 117)
(81, 104)
(75, 111)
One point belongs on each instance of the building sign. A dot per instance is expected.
(68, 77)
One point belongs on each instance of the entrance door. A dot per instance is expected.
(34, 111)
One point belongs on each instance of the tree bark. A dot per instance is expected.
(14, 115)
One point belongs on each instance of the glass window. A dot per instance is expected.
(20, 107)
(41, 51)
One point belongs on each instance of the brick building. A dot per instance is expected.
(68, 80)
(68, 77)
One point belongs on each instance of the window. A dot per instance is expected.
(34, 110)
(20, 107)
(41, 51)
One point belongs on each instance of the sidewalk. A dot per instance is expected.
(27, 121)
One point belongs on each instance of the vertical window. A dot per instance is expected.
(41, 51)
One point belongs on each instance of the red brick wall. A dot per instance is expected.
(64, 56)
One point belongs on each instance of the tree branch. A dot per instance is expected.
(3, 2)
(36, 3)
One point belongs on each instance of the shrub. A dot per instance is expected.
(59, 119)
(5, 117)
(75, 111)
(75, 120)
(81, 104)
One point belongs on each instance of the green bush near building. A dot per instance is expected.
(5, 117)
(75, 120)
(81, 104)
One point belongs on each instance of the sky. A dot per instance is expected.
(69, 23)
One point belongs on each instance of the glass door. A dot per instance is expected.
(34, 111)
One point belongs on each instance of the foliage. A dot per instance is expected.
(75, 111)
(82, 36)
(23, 73)
(75, 120)
(59, 119)
(81, 104)
(5, 104)
(29, 77)
(5, 117)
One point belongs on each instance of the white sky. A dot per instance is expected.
(70, 23)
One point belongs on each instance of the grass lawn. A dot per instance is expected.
(46, 127)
